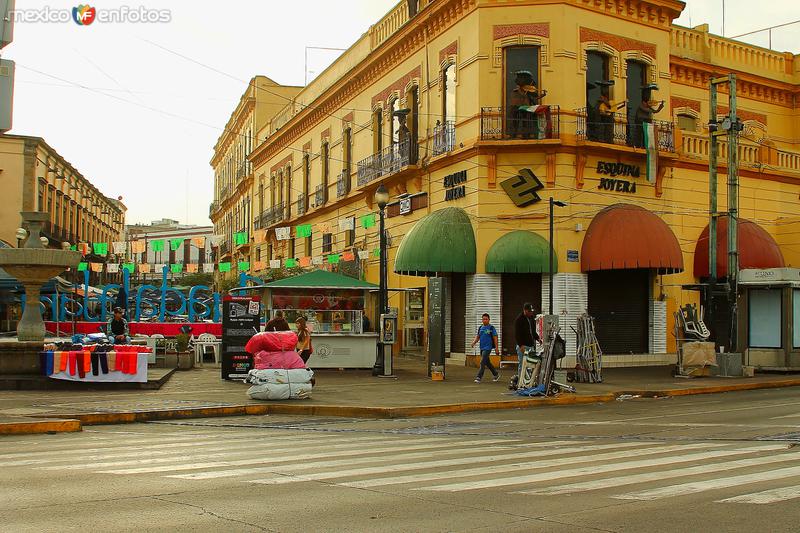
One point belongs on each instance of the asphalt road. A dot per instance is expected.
(726, 462)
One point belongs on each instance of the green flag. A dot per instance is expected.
(240, 237)
(74, 247)
(82, 267)
(376, 252)
(157, 245)
(129, 267)
(368, 221)
(333, 259)
(177, 268)
(302, 231)
(100, 248)
(225, 267)
(174, 244)
(244, 266)
(291, 263)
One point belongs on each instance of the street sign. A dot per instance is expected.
(240, 321)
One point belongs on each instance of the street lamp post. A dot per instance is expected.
(553, 203)
(381, 198)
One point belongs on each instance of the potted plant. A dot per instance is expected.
(185, 358)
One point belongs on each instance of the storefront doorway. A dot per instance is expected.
(517, 289)
(618, 301)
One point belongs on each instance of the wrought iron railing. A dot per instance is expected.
(320, 195)
(343, 183)
(243, 171)
(617, 128)
(224, 248)
(388, 161)
(272, 215)
(224, 192)
(301, 204)
(444, 137)
(530, 123)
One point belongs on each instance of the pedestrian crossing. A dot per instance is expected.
(725, 472)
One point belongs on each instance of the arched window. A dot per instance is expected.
(449, 93)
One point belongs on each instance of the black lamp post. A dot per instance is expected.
(381, 198)
(553, 203)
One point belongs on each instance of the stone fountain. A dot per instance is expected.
(33, 265)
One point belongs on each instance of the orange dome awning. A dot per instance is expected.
(757, 249)
(624, 236)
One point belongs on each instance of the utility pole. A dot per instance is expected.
(729, 126)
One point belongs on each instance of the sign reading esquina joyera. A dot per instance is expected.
(617, 169)
(454, 185)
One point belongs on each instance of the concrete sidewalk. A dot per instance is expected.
(352, 393)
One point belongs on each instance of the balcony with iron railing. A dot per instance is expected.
(320, 195)
(224, 248)
(272, 215)
(386, 162)
(243, 171)
(444, 137)
(531, 123)
(616, 128)
(343, 183)
(224, 192)
(300, 204)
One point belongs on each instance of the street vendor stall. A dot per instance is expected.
(333, 306)
(769, 318)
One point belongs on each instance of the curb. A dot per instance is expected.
(32, 427)
(73, 422)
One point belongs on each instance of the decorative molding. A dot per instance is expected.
(491, 170)
(678, 101)
(521, 40)
(550, 161)
(281, 164)
(569, 54)
(664, 75)
(451, 50)
(622, 44)
(397, 87)
(580, 166)
(467, 62)
(326, 134)
(744, 114)
(502, 31)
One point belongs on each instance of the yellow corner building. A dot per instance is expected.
(474, 113)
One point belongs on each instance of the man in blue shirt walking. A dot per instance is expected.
(487, 336)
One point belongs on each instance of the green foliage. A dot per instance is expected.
(182, 340)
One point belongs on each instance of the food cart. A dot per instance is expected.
(333, 306)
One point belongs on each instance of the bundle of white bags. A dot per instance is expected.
(280, 384)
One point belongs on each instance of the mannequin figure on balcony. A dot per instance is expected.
(524, 104)
(644, 113)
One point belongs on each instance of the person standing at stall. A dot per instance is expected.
(487, 336)
(304, 348)
(277, 323)
(525, 334)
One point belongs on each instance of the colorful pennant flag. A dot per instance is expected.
(129, 267)
(208, 268)
(260, 236)
(100, 248)
(376, 252)
(283, 234)
(157, 245)
(317, 260)
(82, 266)
(191, 268)
(74, 247)
(240, 237)
(243, 266)
(118, 247)
(112, 268)
(159, 267)
(176, 268)
(259, 265)
(305, 261)
(199, 242)
(174, 244)
(216, 240)
(363, 254)
(83, 248)
(145, 268)
(274, 263)
(291, 263)
(225, 267)
(368, 221)
(96, 267)
(333, 259)
(348, 256)
(302, 231)
(347, 223)
(138, 247)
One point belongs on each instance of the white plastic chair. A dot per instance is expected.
(203, 340)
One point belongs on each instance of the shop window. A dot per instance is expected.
(796, 317)
(687, 123)
(766, 312)
(449, 93)
(327, 243)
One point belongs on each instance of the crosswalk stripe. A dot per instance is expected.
(345, 462)
(766, 496)
(606, 483)
(702, 486)
(299, 456)
(180, 454)
(584, 470)
(283, 479)
(153, 445)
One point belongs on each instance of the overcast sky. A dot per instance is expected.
(140, 122)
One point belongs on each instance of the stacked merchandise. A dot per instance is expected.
(590, 358)
(95, 362)
(279, 373)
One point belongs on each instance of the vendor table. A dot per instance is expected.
(114, 366)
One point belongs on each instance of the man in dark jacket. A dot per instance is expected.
(525, 335)
(277, 323)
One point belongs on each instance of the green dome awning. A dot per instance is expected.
(441, 242)
(520, 252)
